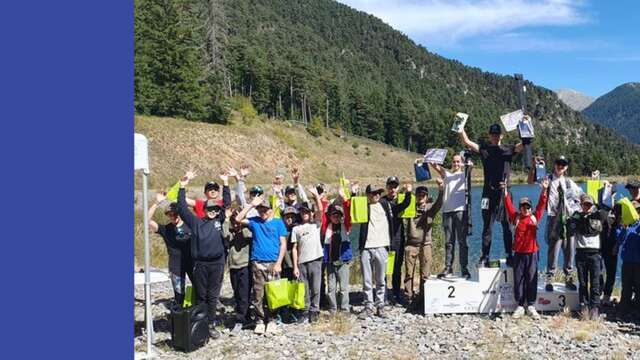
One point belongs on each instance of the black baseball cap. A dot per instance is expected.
(372, 189)
(495, 129)
(289, 189)
(172, 208)
(562, 160)
(393, 180)
(335, 209)
(304, 207)
(290, 210)
(256, 190)
(211, 185)
(212, 204)
(525, 201)
(422, 189)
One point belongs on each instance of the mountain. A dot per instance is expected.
(618, 109)
(574, 99)
(319, 61)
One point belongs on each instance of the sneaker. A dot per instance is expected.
(303, 318)
(380, 313)
(549, 287)
(214, 333)
(314, 317)
(518, 313)
(594, 314)
(273, 328)
(260, 329)
(466, 274)
(569, 284)
(531, 311)
(365, 314)
(237, 328)
(448, 272)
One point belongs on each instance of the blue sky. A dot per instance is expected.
(587, 45)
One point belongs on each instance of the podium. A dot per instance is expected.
(492, 292)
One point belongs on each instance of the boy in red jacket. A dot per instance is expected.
(525, 247)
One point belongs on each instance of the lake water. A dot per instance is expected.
(497, 248)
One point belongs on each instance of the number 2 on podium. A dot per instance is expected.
(453, 289)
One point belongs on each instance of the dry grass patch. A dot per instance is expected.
(338, 324)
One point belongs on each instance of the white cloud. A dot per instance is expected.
(522, 42)
(448, 22)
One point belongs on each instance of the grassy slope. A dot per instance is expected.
(267, 146)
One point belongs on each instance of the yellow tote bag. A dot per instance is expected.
(277, 293)
(410, 211)
(592, 189)
(629, 213)
(359, 210)
(172, 194)
(273, 200)
(344, 184)
(391, 257)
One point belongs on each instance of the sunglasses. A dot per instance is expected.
(213, 209)
(526, 206)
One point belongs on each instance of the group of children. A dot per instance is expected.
(290, 235)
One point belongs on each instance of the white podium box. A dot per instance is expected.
(491, 293)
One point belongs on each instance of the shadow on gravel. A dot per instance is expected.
(159, 325)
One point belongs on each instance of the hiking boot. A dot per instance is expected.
(606, 300)
(365, 314)
(518, 313)
(314, 316)
(531, 311)
(569, 284)
(483, 262)
(260, 329)
(448, 272)
(466, 274)
(594, 314)
(549, 287)
(214, 333)
(380, 313)
(510, 261)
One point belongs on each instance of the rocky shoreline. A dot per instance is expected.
(405, 336)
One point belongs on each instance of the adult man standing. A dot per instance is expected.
(496, 167)
(563, 201)
(375, 237)
(389, 201)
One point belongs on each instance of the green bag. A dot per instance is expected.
(188, 297)
(592, 188)
(629, 213)
(410, 211)
(359, 210)
(172, 194)
(296, 294)
(273, 200)
(391, 257)
(277, 293)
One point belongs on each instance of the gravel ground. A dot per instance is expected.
(406, 336)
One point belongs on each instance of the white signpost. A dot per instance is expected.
(492, 292)
(141, 162)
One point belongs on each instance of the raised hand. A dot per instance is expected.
(408, 187)
(224, 176)
(160, 197)
(341, 192)
(440, 183)
(545, 183)
(313, 191)
(232, 172)
(355, 187)
(190, 174)
(295, 174)
(257, 200)
(244, 170)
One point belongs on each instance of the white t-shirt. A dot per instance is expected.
(455, 188)
(307, 236)
(378, 231)
(571, 192)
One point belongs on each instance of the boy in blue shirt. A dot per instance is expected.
(267, 253)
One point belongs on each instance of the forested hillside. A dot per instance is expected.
(322, 62)
(619, 109)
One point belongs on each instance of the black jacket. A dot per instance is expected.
(206, 238)
(392, 210)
